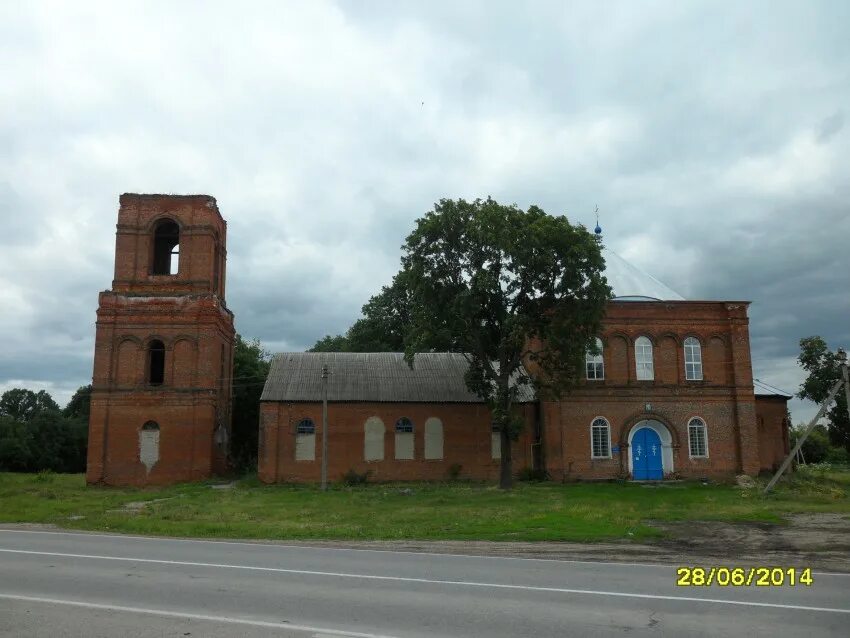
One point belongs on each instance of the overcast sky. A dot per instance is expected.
(713, 137)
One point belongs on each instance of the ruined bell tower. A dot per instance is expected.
(161, 388)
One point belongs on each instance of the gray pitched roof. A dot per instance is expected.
(762, 389)
(436, 377)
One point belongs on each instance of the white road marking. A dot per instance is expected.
(179, 614)
(406, 579)
(359, 549)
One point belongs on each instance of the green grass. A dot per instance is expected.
(451, 511)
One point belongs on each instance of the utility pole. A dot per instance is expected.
(843, 381)
(324, 428)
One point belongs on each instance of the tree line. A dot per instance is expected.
(36, 435)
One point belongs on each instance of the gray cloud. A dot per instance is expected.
(713, 142)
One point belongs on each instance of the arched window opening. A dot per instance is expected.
(643, 359)
(166, 248)
(305, 440)
(600, 439)
(149, 444)
(697, 438)
(404, 439)
(495, 442)
(594, 363)
(156, 362)
(433, 438)
(693, 359)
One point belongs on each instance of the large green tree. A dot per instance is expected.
(824, 369)
(80, 404)
(23, 405)
(250, 369)
(504, 286)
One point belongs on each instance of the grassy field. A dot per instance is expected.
(450, 511)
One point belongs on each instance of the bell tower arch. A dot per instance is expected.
(163, 346)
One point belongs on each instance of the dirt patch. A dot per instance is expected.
(821, 541)
(134, 507)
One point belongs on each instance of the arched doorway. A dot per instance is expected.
(650, 451)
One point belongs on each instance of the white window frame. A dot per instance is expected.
(644, 364)
(595, 363)
(593, 425)
(693, 359)
(704, 427)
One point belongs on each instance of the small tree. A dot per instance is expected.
(250, 369)
(504, 286)
(381, 328)
(824, 370)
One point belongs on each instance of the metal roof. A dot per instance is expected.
(630, 283)
(763, 389)
(436, 377)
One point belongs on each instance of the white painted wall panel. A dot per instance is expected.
(149, 448)
(373, 439)
(433, 438)
(404, 446)
(496, 445)
(305, 447)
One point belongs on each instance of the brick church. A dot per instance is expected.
(671, 394)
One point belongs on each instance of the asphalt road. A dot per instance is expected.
(67, 584)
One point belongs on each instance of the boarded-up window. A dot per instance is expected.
(495, 442)
(305, 440)
(433, 438)
(404, 439)
(149, 445)
(373, 439)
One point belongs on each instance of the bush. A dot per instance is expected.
(837, 456)
(353, 478)
(816, 446)
(454, 471)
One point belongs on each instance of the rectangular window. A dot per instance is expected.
(595, 370)
(601, 443)
(643, 361)
(693, 360)
(697, 440)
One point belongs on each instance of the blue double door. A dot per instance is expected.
(646, 456)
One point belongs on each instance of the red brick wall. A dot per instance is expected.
(723, 398)
(466, 441)
(191, 319)
(774, 444)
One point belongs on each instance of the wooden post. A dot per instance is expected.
(806, 432)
